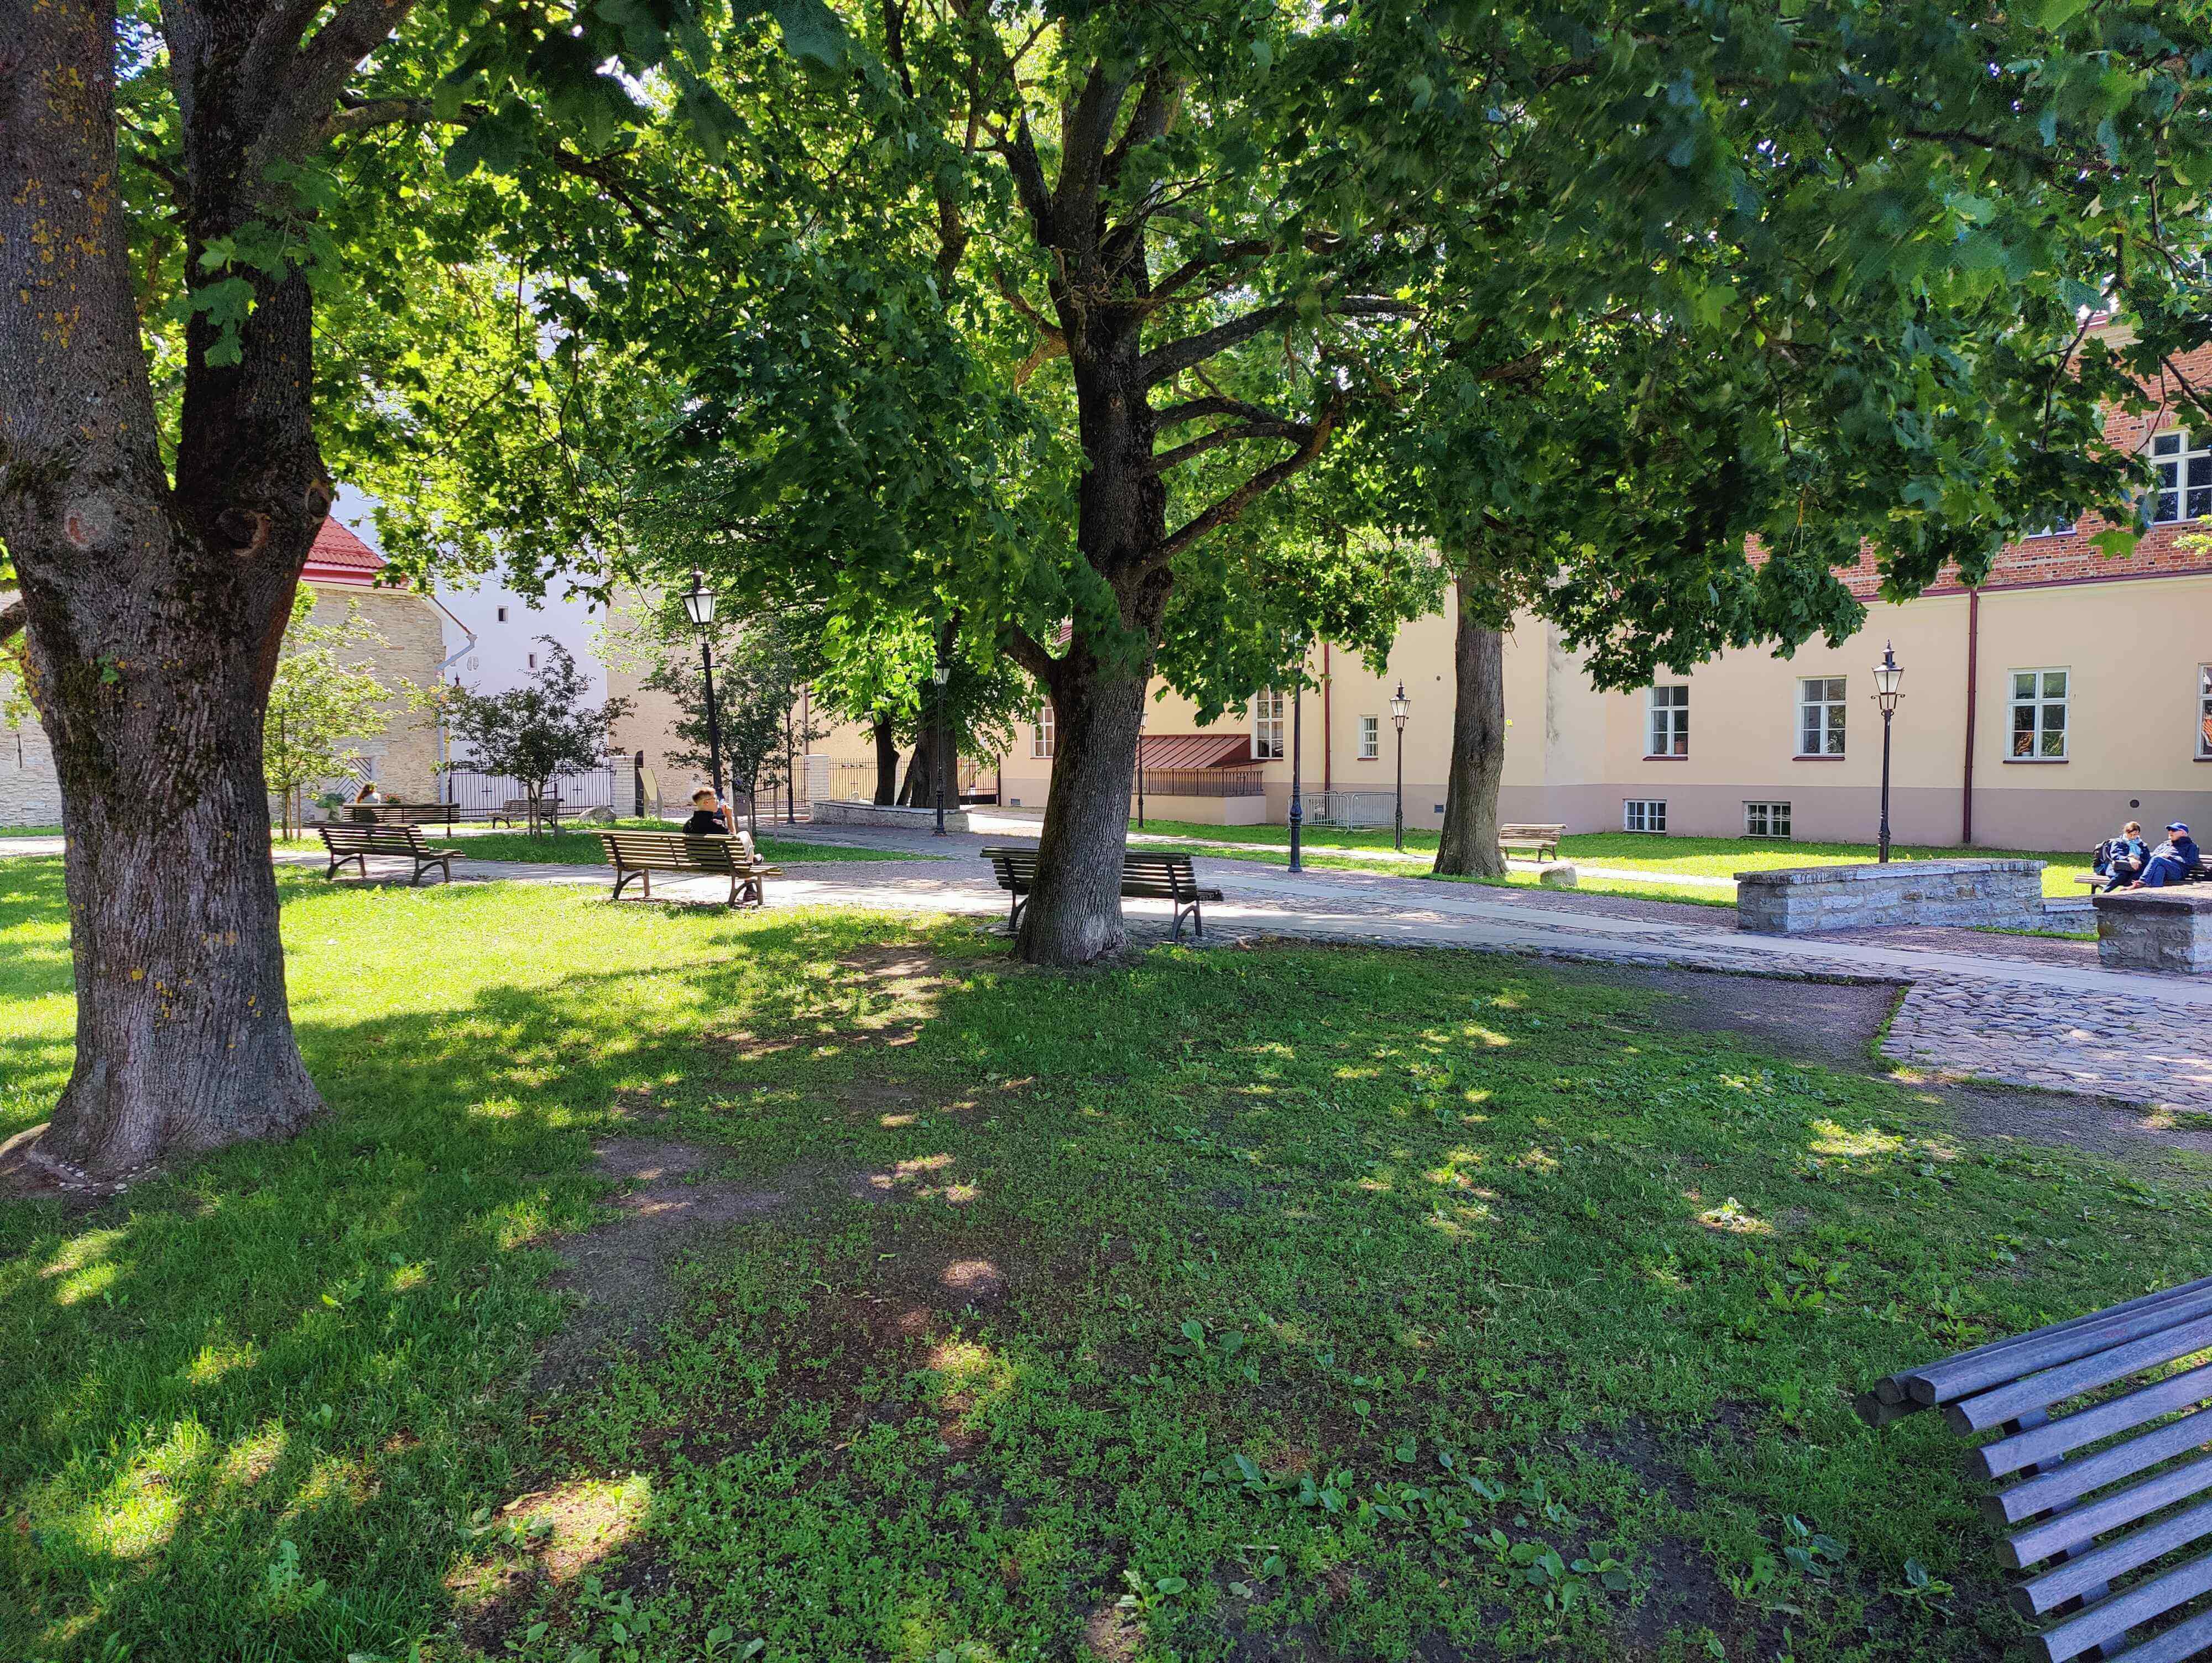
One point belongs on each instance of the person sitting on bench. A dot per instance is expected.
(2124, 856)
(708, 818)
(2171, 862)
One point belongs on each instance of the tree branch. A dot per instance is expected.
(1274, 429)
(14, 616)
(1227, 510)
(1162, 362)
(319, 70)
(1025, 650)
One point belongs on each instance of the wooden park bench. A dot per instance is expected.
(640, 854)
(1542, 841)
(1144, 877)
(356, 842)
(518, 808)
(401, 814)
(2200, 873)
(2095, 1489)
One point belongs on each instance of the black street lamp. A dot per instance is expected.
(1398, 704)
(699, 607)
(1298, 751)
(1886, 675)
(940, 672)
(1140, 761)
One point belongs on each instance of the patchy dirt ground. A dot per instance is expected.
(1836, 1025)
(623, 1270)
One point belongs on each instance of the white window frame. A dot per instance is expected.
(1042, 732)
(1643, 814)
(2183, 462)
(2040, 701)
(1268, 726)
(1666, 719)
(2205, 713)
(1771, 819)
(1826, 730)
(2057, 528)
(1370, 738)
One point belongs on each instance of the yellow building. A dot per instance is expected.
(2041, 711)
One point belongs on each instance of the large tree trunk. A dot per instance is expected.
(1097, 687)
(1469, 845)
(154, 614)
(887, 762)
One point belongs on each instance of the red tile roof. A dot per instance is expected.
(1198, 751)
(340, 557)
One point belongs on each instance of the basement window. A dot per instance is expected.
(1643, 814)
(1767, 819)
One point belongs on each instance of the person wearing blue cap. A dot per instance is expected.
(2170, 862)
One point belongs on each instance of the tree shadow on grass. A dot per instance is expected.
(1447, 1205)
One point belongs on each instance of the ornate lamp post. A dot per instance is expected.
(699, 607)
(940, 672)
(1886, 677)
(1140, 762)
(1398, 706)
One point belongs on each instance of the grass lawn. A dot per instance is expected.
(1639, 851)
(30, 831)
(1288, 1303)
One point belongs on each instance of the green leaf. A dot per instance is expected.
(811, 32)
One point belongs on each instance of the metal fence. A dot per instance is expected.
(478, 796)
(1349, 809)
(1204, 782)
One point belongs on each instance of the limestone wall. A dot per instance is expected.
(30, 795)
(2008, 894)
(402, 759)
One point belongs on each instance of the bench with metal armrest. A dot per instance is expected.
(640, 854)
(357, 842)
(1144, 877)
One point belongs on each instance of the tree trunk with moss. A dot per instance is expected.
(1468, 847)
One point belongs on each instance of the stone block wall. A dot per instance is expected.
(2006, 894)
(403, 760)
(2168, 929)
(30, 794)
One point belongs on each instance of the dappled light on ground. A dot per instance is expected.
(831, 1283)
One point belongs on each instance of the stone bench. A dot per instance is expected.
(825, 812)
(1798, 899)
(2168, 929)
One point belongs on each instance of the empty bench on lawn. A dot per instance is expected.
(357, 842)
(402, 814)
(2083, 1513)
(640, 854)
(1542, 840)
(1144, 877)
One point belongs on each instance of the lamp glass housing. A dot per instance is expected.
(699, 601)
(1398, 705)
(1887, 677)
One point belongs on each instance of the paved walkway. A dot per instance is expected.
(2041, 1021)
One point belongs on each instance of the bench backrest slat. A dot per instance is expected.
(2109, 1618)
(364, 839)
(2046, 1348)
(2049, 1536)
(1145, 875)
(2021, 1396)
(674, 852)
(2067, 1482)
(2041, 1444)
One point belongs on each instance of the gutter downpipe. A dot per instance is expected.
(1973, 657)
(1327, 726)
(445, 739)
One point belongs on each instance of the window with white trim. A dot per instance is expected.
(2204, 710)
(1643, 814)
(1668, 708)
(1370, 737)
(1041, 733)
(2183, 462)
(1267, 725)
(1820, 716)
(1767, 819)
(2039, 714)
(2056, 528)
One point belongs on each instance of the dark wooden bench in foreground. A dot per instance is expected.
(1144, 877)
(640, 854)
(1542, 841)
(401, 814)
(2112, 1488)
(356, 842)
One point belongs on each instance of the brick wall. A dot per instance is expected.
(404, 756)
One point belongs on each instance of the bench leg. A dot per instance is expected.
(1014, 917)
